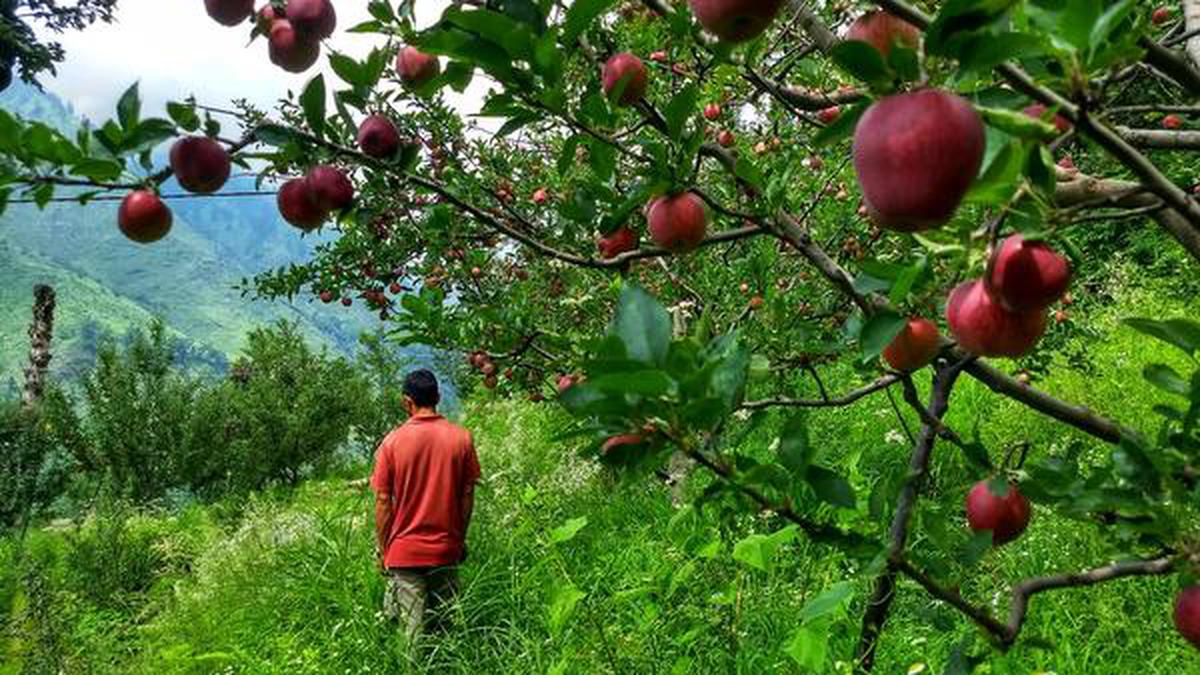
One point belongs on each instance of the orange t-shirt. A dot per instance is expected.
(426, 466)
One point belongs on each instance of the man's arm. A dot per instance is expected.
(383, 521)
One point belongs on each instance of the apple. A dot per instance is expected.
(346, 302)
(490, 382)
(712, 112)
(266, 18)
(291, 50)
(314, 18)
(984, 328)
(378, 138)
(565, 382)
(298, 205)
(200, 164)
(744, 288)
(828, 115)
(625, 70)
(620, 240)
(476, 272)
(1006, 517)
(882, 30)
(331, 189)
(1038, 111)
(327, 297)
(229, 12)
(677, 222)
(1027, 275)
(725, 138)
(415, 67)
(914, 347)
(735, 20)
(620, 442)
(1187, 614)
(761, 148)
(1172, 122)
(658, 57)
(756, 302)
(143, 217)
(540, 196)
(395, 288)
(916, 155)
(1158, 17)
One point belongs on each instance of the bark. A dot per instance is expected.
(41, 333)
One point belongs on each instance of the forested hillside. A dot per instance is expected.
(108, 285)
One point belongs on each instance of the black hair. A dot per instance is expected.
(422, 387)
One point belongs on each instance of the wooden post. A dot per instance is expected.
(41, 333)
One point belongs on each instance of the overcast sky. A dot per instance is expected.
(174, 49)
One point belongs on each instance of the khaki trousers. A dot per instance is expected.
(415, 597)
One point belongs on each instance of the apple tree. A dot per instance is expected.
(679, 215)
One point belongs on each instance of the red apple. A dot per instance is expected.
(143, 217)
(1158, 17)
(712, 111)
(658, 57)
(677, 222)
(229, 12)
(565, 382)
(331, 189)
(415, 67)
(377, 137)
(626, 70)
(490, 382)
(314, 18)
(916, 155)
(620, 240)
(1038, 111)
(1027, 275)
(726, 138)
(1187, 614)
(914, 347)
(266, 18)
(828, 115)
(298, 205)
(882, 30)
(291, 50)
(620, 442)
(1172, 122)
(200, 164)
(735, 20)
(395, 288)
(327, 297)
(540, 196)
(756, 302)
(346, 302)
(983, 327)
(1006, 517)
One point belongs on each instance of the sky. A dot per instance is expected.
(174, 49)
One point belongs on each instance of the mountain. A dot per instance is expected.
(107, 285)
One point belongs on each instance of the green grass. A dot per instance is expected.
(284, 582)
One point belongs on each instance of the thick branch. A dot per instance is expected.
(880, 602)
(1161, 139)
(1191, 23)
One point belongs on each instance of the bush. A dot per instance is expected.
(109, 561)
(35, 456)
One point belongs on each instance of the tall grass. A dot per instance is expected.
(285, 581)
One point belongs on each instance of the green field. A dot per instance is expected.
(284, 581)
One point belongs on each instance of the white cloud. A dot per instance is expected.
(174, 49)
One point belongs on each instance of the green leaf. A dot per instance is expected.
(580, 15)
(1165, 378)
(681, 106)
(381, 10)
(1001, 176)
(830, 487)
(843, 126)
(643, 326)
(563, 600)
(351, 71)
(184, 114)
(567, 531)
(977, 454)
(745, 169)
(514, 37)
(100, 170)
(982, 55)
(1109, 21)
(148, 134)
(957, 20)
(758, 550)
(312, 101)
(602, 157)
(809, 649)
(826, 601)
(795, 450)
(1182, 333)
(275, 134)
(1017, 123)
(129, 107)
(643, 382)
(10, 132)
(879, 331)
(458, 75)
(862, 61)
(728, 380)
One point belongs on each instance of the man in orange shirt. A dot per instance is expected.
(424, 482)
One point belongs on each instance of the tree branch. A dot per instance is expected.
(839, 402)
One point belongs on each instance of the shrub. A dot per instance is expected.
(36, 459)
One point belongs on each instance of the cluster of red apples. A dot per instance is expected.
(200, 164)
(294, 30)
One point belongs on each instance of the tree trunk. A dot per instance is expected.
(41, 333)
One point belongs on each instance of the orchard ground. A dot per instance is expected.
(285, 581)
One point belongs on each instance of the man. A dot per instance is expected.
(424, 482)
